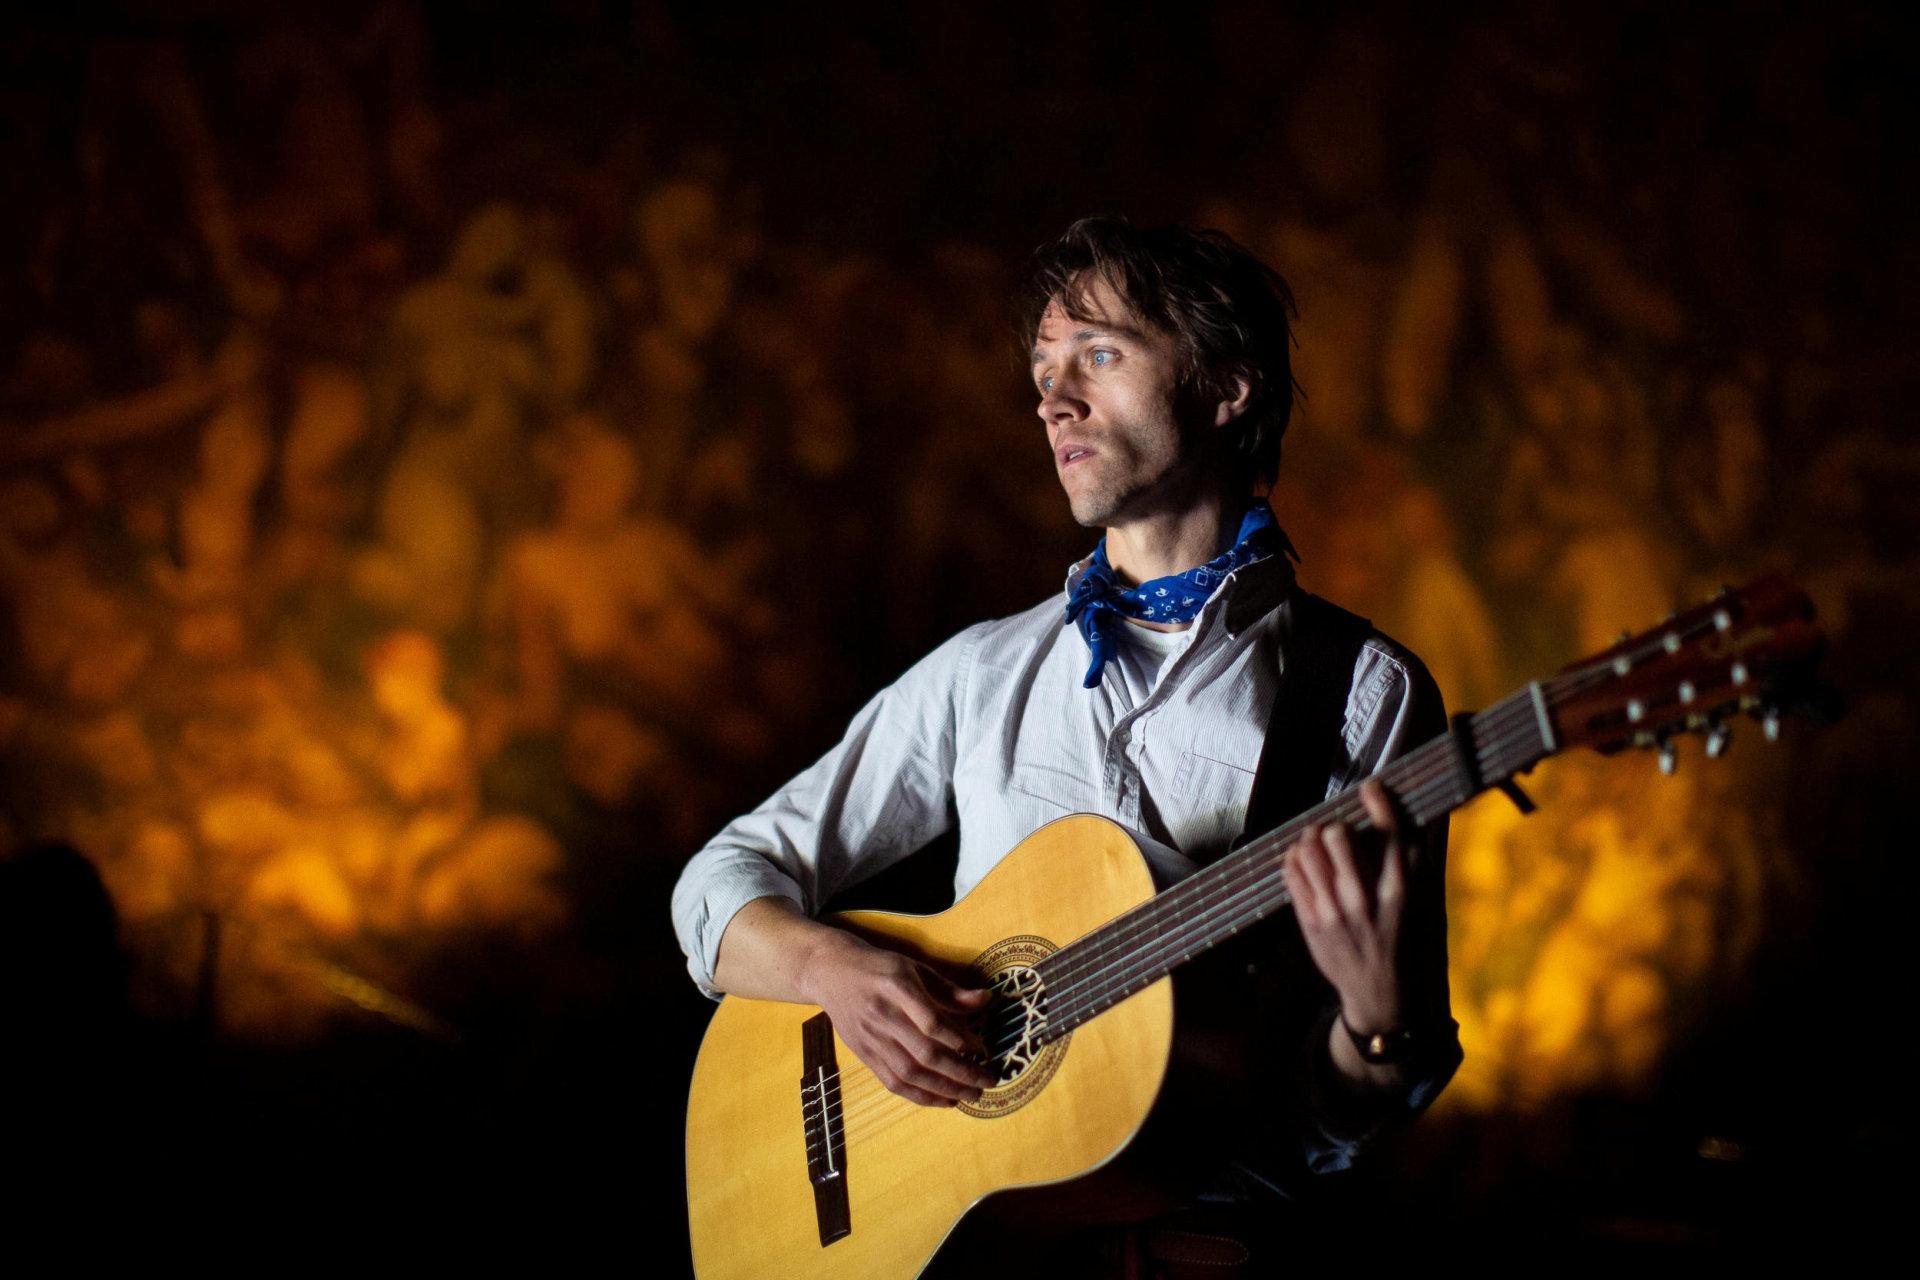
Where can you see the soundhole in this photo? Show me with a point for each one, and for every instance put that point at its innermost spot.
(1011, 1025)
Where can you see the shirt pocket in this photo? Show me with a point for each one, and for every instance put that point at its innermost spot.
(1048, 791)
(1213, 796)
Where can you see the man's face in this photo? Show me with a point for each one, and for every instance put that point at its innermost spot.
(1108, 389)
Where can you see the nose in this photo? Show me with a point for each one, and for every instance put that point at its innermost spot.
(1061, 404)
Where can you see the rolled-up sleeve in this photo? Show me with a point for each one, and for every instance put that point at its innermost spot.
(882, 792)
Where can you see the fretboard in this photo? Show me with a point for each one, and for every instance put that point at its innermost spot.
(1137, 949)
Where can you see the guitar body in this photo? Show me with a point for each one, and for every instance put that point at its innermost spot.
(910, 1172)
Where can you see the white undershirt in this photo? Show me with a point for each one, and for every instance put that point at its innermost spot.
(1143, 654)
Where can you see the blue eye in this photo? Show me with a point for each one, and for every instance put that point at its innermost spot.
(1101, 357)
(1046, 383)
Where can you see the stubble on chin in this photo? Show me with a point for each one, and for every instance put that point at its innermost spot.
(1094, 507)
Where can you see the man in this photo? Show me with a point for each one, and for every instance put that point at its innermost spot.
(1161, 365)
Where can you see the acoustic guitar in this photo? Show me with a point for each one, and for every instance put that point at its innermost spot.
(801, 1165)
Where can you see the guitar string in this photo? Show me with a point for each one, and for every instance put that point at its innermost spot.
(1500, 738)
(1498, 743)
(1494, 735)
(861, 1104)
(1218, 906)
(1426, 782)
(1254, 873)
(1251, 874)
(1206, 893)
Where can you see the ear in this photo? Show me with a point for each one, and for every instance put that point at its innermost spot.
(1227, 410)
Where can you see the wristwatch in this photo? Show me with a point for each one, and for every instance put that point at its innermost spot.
(1384, 1048)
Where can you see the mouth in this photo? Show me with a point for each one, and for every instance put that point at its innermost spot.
(1068, 454)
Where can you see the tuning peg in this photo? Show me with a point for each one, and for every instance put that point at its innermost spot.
(1669, 757)
(1717, 738)
(1770, 724)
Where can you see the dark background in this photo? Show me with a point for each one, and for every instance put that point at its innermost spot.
(456, 456)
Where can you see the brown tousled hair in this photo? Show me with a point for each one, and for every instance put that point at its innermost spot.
(1231, 313)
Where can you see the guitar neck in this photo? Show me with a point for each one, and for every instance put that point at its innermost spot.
(1137, 949)
(1749, 650)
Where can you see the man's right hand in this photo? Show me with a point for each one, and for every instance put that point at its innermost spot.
(907, 1022)
(904, 1020)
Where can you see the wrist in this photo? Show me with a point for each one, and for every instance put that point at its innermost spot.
(1379, 1013)
(825, 953)
(1389, 1043)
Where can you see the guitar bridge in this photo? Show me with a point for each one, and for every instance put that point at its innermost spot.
(825, 1128)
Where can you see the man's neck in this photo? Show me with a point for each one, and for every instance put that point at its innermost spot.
(1168, 543)
(1160, 545)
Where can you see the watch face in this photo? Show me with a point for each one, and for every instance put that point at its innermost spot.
(1383, 1047)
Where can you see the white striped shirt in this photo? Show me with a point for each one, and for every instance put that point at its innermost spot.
(994, 726)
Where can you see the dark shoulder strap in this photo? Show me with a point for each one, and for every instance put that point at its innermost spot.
(1309, 712)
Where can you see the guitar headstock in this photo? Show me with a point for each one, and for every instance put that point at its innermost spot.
(1747, 651)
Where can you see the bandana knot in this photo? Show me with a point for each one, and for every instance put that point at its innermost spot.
(1097, 601)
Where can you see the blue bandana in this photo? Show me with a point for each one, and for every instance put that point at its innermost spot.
(1097, 601)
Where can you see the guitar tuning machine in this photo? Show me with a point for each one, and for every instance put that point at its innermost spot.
(1669, 757)
(1767, 713)
(1718, 735)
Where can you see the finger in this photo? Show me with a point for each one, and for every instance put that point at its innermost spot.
(941, 1032)
(960, 1068)
(886, 1061)
(1349, 890)
(1380, 808)
(916, 1095)
(1384, 810)
(941, 1071)
(911, 1080)
(1393, 884)
(957, 1007)
(959, 998)
(947, 1050)
(1310, 856)
(1305, 908)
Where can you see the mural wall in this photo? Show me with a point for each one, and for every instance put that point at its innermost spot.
(424, 489)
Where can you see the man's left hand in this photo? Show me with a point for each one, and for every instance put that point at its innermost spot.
(1350, 914)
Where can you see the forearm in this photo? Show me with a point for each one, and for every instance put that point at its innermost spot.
(882, 792)
(901, 1019)
(770, 950)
